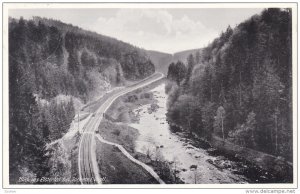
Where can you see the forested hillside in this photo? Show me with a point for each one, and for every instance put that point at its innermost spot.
(241, 88)
(48, 58)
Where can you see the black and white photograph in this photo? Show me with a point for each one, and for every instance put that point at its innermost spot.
(149, 95)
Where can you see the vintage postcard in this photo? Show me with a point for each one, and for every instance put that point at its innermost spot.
(150, 95)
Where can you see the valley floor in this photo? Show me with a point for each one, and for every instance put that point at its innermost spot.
(122, 125)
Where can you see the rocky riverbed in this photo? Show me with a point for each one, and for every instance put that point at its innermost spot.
(192, 158)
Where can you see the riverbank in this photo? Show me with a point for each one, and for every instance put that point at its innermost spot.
(255, 166)
(115, 128)
(271, 169)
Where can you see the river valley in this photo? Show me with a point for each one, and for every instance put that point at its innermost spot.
(190, 162)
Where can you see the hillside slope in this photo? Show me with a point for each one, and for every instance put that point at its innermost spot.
(52, 66)
(241, 91)
(63, 59)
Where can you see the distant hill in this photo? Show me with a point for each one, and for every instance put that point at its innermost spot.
(162, 60)
(183, 55)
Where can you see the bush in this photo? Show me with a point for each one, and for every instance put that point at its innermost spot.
(116, 132)
(132, 98)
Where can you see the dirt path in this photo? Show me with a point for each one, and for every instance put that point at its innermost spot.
(123, 150)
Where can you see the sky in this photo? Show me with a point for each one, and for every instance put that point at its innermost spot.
(165, 30)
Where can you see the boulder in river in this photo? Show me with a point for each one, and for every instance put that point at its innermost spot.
(210, 161)
(220, 158)
(193, 167)
(212, 151)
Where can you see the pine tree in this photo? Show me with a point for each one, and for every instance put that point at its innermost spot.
(197, 58)
(190, 66)
(219, 122)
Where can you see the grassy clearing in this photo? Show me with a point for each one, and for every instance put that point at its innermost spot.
(119, 133)
(115, 168)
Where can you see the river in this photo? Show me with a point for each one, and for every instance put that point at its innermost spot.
(191, 162)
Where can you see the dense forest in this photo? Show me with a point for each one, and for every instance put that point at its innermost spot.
(239, 87)
(48, 58)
